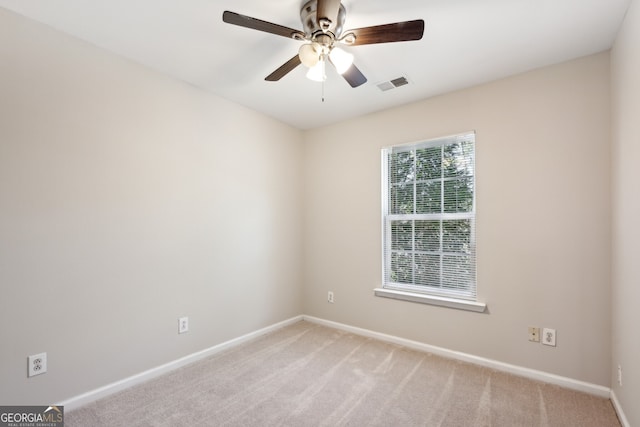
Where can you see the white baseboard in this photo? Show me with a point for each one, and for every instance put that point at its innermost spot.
(616, 405)
(109, 389)
(569, 383)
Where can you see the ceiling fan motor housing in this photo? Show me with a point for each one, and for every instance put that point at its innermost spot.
(311, 26)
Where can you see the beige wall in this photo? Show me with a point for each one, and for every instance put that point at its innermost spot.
(625, 80)
(543, 179)
(127, 200)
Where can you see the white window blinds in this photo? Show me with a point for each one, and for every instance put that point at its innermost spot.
(429, 217)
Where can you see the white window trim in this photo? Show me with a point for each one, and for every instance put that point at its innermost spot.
(459, 304)
(387, 291)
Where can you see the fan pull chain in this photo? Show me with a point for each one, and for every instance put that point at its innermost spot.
(323, 91)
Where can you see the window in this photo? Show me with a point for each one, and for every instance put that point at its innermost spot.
(429, 218)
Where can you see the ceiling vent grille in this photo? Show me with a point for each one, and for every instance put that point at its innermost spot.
(392, 84)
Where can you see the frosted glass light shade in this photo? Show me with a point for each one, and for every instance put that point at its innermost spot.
(316, 73)
(341, 60)
(308, 55)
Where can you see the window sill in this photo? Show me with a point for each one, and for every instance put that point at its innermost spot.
(478, 307)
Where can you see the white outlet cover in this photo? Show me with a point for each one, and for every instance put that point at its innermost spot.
(37, 364)
(549, 337)
(183, 325)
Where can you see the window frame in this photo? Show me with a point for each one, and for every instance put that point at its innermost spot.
(423, 293)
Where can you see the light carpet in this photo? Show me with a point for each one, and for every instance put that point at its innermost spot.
(311, 375)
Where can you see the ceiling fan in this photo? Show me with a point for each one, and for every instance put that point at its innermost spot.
(323, 21)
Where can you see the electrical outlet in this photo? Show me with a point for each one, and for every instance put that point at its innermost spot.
(620, 375)
(330, 297)
(549, 337)
(534, 334)
(37, 364)
(183, 325)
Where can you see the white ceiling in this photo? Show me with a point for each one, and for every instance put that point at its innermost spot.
(466, 42)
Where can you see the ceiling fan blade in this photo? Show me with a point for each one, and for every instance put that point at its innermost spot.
(354, 76)
(388, 33)
(284, 69)
(258, 24)
(328, 9)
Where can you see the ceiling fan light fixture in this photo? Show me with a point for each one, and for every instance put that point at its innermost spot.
(317, 72)
(341, 59)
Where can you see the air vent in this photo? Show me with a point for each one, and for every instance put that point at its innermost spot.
(384, 86)
(392, 84)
